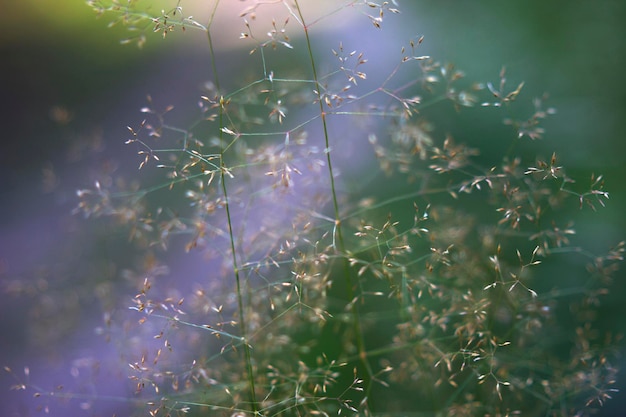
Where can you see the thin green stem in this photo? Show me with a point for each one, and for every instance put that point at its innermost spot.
(223, 169)
(340, 245)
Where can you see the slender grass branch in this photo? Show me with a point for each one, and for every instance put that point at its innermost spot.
(360, 341)
(231, 233)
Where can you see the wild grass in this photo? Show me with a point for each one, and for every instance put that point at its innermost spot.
(419, 282)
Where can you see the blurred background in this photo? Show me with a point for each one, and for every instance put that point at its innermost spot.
(69, 89)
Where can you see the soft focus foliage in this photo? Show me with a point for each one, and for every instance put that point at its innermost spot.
(359, 256)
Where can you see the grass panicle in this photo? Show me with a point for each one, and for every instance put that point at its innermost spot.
(413, 277)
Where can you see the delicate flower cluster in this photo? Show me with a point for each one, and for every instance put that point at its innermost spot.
(314, 298)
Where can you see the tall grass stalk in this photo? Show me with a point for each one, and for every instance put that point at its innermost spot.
(337, 232)
(231, 234)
